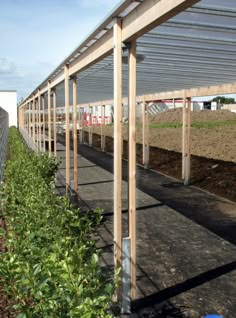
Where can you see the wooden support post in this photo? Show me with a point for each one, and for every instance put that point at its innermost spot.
(49, 120)
(28, 106)
(44, 132)
(81, 132)
(188, 147)
(145, 133)
(67, 110)
(117, 143)
(183, 134)
(23, 117)
(36, 123)
(122, 137)
(75, 143)
(27, 119)
(55, 121)
(40, 127)
(143, 128)
(38, 119)
(132, 164)
(90, 126)
(25, 108)
(102, 127)
(33, 120)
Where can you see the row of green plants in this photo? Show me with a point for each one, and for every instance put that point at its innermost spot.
(51, 265)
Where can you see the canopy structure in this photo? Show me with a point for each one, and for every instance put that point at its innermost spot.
(143, 51)
(195, 48)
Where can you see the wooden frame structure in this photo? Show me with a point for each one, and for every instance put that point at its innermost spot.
(123, 28)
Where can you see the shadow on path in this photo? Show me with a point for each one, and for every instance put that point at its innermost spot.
(200, 207)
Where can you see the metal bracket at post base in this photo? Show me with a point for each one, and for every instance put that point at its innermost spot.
(103, 143)
(90, 140)
(81, 136)
(187, 171)
(72, 191)
(126, 274)
(146, 157)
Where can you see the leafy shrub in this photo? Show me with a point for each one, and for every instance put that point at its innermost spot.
(51, 266)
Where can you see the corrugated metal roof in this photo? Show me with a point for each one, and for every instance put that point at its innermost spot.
(195, 48)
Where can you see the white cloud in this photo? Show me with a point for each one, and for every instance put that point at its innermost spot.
(6, 66)
(33, 45)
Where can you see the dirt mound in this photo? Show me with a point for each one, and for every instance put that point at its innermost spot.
(175, 116)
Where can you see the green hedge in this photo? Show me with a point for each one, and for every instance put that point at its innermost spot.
(51, 266)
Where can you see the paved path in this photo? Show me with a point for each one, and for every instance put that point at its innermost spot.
(186, 253)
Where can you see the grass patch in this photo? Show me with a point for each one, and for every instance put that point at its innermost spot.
(165, 125)
(208, 124)
(213, 124)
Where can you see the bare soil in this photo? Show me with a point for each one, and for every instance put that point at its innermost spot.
(213, 149)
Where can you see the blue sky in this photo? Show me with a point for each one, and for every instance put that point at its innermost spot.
(36, 35)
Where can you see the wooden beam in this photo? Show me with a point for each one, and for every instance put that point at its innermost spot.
(54, 92)
(150, 14)
(67, 111)
(132, 164)
(193, 92)
(55, 76)
(183, 134)
(117, 143)
(178, 94)
(59, 78)
(142, 19)
(75, 143)
(49, 120)
(100, 49)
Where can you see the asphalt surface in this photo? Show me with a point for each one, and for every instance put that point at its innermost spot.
(186, 253)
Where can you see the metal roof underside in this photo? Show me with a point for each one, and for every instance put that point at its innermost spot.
(196, 48)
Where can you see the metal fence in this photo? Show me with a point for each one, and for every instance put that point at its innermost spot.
(4, 124)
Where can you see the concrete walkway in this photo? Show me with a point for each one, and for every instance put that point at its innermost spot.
(186, 253)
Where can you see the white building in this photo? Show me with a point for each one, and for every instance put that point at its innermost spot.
(163, 105)
(8, 101)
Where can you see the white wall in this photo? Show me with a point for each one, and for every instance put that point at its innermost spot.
(8, 101)
(231, 107)
(160, 106)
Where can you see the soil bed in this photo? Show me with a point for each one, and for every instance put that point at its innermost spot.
(213, 160)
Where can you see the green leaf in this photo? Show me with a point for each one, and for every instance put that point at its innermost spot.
(87, 315)
(21, 315)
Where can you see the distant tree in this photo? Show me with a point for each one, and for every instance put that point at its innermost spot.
(224, 100)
